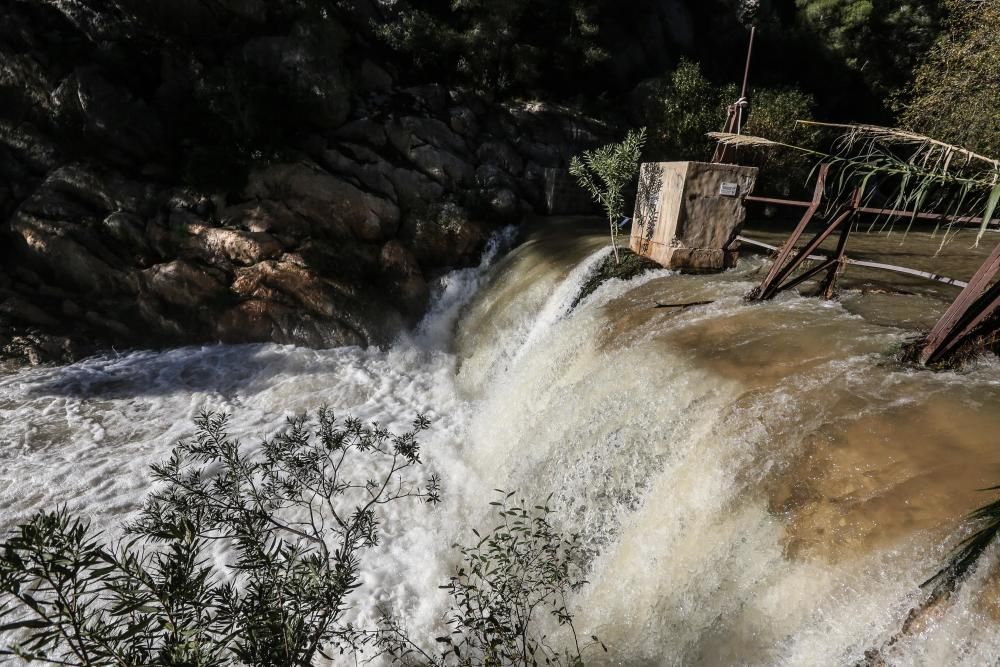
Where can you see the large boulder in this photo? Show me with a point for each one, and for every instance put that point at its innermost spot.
(110, 116)
(185, 284)
(305, 68)
(431, 145)
(333, 206)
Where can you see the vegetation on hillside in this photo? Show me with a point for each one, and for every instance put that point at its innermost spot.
(957, 87)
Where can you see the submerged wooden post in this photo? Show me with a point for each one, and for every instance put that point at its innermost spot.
(688, 214)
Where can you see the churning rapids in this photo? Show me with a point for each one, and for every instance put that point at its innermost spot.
(762, 483)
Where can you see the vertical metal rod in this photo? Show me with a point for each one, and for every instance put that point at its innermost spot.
(826, 289)
(734, 120)
(746, 80)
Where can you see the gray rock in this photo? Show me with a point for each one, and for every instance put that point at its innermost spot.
(504, 205)
(372, 78)
(363, 131)
(463, 121)
(109, 114)
(433, 148)
(18, 308)
(213, 244)
(500, 154)
(334, 207)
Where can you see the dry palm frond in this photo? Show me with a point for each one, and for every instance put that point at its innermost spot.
(914, 172)
(729, 139)
(890, 135)
(986, 521)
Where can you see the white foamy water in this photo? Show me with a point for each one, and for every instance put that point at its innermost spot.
(760, 484)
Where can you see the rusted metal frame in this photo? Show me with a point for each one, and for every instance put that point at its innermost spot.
(826, 288)
(946, 328)
(775, 287)
(984, 307)
(789, 244)
(806, 275)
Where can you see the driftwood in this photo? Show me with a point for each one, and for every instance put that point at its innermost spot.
(683, 305)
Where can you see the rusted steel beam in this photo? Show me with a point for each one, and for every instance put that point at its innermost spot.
(890, 212)
(789, 244)
(780, 202)
(843, 215)
(735, 119)
(984, 308)
(945, 329)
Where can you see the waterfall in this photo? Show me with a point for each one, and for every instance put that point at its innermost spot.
(758, 484)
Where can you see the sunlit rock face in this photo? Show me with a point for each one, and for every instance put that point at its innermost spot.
(239, 171)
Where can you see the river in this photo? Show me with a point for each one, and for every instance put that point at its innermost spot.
(760, 484)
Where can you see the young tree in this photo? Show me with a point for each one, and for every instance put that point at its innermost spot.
(605, 173)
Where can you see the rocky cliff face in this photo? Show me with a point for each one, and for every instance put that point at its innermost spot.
(216, 172)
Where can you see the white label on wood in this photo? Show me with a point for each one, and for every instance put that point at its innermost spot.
(728, 189)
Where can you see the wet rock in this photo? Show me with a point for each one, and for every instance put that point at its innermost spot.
(239, 247)
(405, 279)
(182, 283)
(36, 348)
(19, 309)
(443, 234)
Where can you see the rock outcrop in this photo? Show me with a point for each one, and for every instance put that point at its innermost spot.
(270, 186)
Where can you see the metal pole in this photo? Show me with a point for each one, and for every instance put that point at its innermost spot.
(746, 79)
